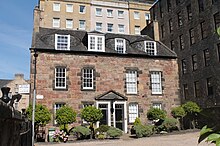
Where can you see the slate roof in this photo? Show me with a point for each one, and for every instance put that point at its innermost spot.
(111, 95)
(45, 40)
(4, 82)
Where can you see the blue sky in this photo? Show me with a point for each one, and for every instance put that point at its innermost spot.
(16, 25)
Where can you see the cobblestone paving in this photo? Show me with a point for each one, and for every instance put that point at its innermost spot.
(187, 139)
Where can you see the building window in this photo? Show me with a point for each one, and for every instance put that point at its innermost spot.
(189, 12)
(98, 26)
(120, 45)
(185, 91)
(69, 8)
(137, 30)
(62, 42)
(96, 43)
(136, 15)
(169, 6)
(60, 78)
(209, 86)
(98, 12)
(184, 70)
(162, 31)
(56, 22)
(82, 9)
(82, 24)
(109, 13)
(192, 36)
(180, 21)
(150, 48)
(172, 45)
(56, 107)
(201, 5)
(131, 82)
(203, 30)
(147, 16)
(133, 112)
(121, 28)
(157, 105)
(206, 57)
(196, 89)
(194, 62)
(161, 10)
(87, 78)
(69, 23)
(217, 20)
(120, 14)
(56, 7)
(156, 84)
(181, 42)
(171, 25)
(218, 47)
(110, 27)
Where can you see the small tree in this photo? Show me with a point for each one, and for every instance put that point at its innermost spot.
(65, 115)
(92, 115)
(179, 113)
(156, 114)
(191, 109)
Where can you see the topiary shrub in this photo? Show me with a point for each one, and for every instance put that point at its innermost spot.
(156, 114)
(137, 121)
(143, 131)
(169, 124)
(114, 132)
(179, 113)
(81, 132)
(101, 132)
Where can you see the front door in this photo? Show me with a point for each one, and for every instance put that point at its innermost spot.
(119, 116)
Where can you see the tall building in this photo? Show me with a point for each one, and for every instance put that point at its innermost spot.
(189, 28)
(118, 16)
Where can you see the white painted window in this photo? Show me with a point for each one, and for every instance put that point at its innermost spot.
(120, 14)
(87, 78)
(56, 22)
(109, 13)
(56, 7)
(62, 42)
(96, 43)
(82, 9)
(98, 26)
(98, 12)
(137, 30)
(69, 8)
(133, 112)
(60, 78)
(147, 16)
(69, 23)
(110, 27)
(121, 28)
(150, 48)
(120, 45)
(136, 15)
(131, 82)
(56, 107)
(157, 105)
(156, 84)
(82, 24)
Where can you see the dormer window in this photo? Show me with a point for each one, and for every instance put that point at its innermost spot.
(62, 42)
(96, 43)
(120, 45)
(150, 48)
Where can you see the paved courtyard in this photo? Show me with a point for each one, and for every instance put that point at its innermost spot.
(187, 139)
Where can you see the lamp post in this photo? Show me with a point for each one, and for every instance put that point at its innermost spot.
(34, 96)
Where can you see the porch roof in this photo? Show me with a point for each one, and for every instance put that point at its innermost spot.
(111, 95)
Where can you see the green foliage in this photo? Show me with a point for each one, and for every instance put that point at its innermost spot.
(191, 107)
(218, 31)
(169, 124)
(114, 132)
(91, 114)
(143, 131)
(101, 136)
(155, 114)
(102, 129)
(63, 127)
(137, 121)
(42, 114)
(81, 132)
(178, 112)
(65, 115)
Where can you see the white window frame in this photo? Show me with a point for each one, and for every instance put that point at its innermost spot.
(108, 28)
(69, 8)
(157, 105)
(156, 82)
(84, 78)
(150, 46)
(55, 108)
(60, 77)
(136, 15)
(121, 14)
(137, 30)
(119, 44)
(95, 45)
(56, 22)
(64, 43)
(133, 112)
(147, 16)
(121, 28)
(131, 82)
(109, 13)
(56, 7)
(98, 27)
(69, 23)
(98, 12)
(84, 10)
(80, 25)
